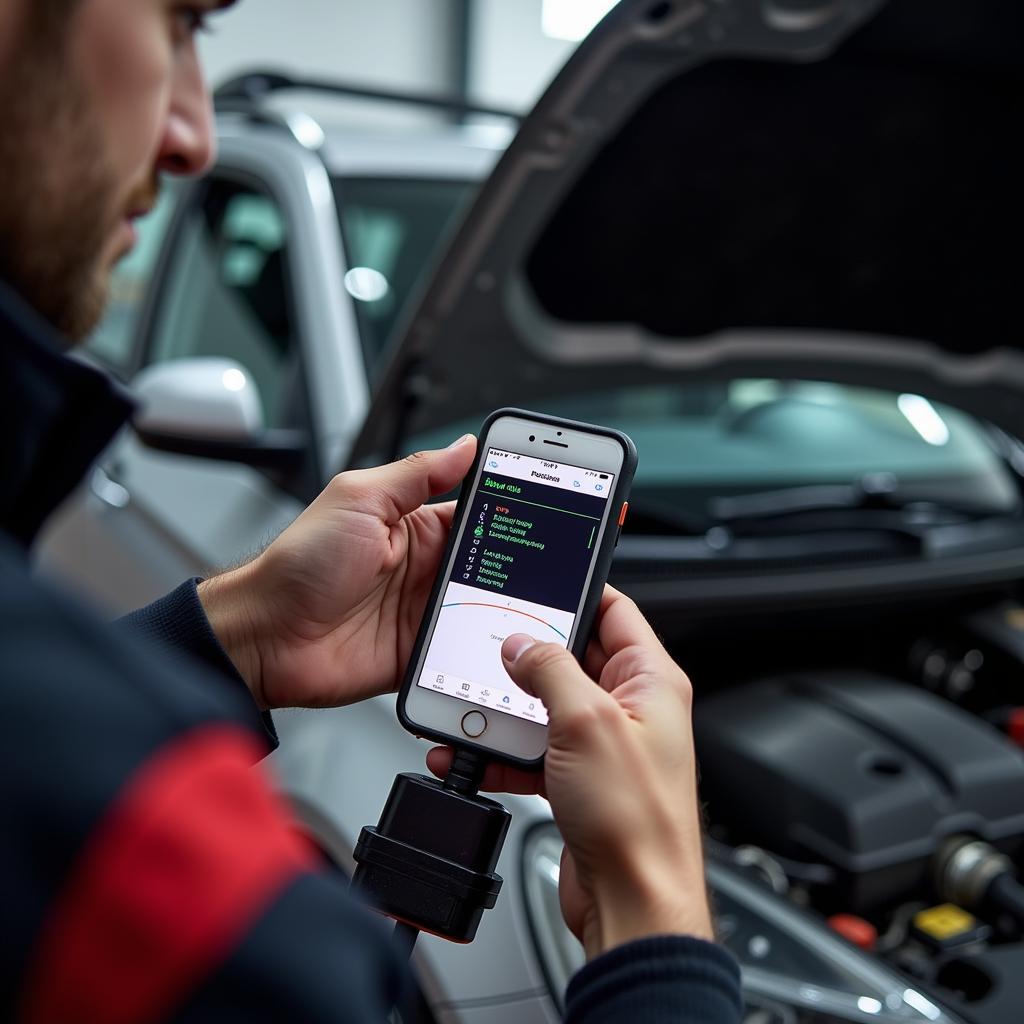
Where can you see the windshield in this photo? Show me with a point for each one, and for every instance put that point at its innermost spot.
(707, 441)
(393, 230)
(697, 443)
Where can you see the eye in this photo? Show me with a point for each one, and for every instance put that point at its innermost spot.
(191, 19)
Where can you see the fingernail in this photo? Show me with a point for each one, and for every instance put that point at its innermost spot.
(461, 440)
(514, 646)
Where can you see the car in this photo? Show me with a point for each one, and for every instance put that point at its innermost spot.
(776, 243)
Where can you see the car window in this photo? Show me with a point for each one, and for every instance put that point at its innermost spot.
(226, 294)
(112, 342)
(393, 230)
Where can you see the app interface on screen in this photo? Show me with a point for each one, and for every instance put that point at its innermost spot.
(520, 567)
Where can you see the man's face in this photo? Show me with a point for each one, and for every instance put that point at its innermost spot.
(99, 97)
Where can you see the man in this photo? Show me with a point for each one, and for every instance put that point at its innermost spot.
(149, 873)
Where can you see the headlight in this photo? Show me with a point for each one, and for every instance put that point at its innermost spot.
(795, 969)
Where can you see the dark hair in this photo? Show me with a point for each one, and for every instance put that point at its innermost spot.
(48, 19)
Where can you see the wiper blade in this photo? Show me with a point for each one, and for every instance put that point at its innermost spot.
(888, 525)
(766, 504)
(878, 493)
(853, 529)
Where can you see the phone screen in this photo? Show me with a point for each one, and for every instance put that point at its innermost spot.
(521, 566)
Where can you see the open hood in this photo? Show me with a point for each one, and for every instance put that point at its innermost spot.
(808, 189)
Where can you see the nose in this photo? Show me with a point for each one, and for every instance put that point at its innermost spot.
(188, 145)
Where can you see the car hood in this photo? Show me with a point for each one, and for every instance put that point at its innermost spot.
(805, 189)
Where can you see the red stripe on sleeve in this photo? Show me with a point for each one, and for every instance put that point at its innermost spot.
(193, 849)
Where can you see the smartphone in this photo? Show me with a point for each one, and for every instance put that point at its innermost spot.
(531, 544)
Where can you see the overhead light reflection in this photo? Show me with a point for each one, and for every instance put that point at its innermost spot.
(552, 868)
(921, 415)
(233, 379)
(922, 1005)
(572, 19)
(366, 284)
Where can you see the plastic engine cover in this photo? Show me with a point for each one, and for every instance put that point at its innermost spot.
(857, 771)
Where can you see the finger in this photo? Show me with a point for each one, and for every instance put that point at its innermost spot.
(445, 512)
(498, 778)
(596, 657)
(551, 673)
(634, 650)
(621, 624)
(395, 490)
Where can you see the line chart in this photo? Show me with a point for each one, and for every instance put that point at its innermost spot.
(506, 608)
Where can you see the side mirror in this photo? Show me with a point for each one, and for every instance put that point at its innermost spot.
(209, 408)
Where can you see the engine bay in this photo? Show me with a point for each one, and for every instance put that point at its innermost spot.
(864, 799)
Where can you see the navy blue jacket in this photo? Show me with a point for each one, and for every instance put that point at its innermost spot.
(149, 874)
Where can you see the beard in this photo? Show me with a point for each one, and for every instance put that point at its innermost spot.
(60, 203)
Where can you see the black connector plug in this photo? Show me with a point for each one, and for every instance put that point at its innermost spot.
(430, 860)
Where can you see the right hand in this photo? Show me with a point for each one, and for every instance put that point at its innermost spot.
(620, 776)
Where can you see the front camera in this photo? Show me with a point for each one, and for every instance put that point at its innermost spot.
(532, 437)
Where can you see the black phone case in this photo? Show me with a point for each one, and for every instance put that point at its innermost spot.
(602, 566)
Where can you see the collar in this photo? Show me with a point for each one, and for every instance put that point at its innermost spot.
(56, 416)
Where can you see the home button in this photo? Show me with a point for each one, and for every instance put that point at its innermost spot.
(473, 723)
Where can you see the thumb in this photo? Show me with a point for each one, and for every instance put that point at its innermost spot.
(551, 673)
(400, 487)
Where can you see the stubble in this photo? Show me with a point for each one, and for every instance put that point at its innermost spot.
(57, 197)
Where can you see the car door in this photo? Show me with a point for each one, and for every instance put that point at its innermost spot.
(151, 518)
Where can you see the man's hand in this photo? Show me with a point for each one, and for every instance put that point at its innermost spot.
(620, 776)
(328, 614)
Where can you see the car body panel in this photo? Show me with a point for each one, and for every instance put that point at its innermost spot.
(335, 374)
(464, 153)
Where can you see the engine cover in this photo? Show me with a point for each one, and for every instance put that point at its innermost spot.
(862, 773)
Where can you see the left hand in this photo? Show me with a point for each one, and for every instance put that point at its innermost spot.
(328, 614)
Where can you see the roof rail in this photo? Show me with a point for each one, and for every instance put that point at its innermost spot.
(245, 92)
